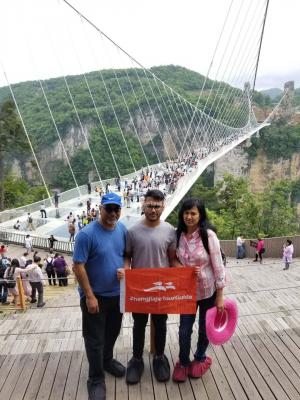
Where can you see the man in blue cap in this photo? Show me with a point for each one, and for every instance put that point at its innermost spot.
(98, 253)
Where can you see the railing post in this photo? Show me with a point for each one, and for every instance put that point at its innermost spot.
(21, 293)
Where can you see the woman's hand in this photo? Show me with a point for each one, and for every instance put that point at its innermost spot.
(219, 300)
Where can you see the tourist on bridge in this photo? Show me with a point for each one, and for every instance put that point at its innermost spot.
(30, 226)
(12, 272)
(50, 270)
(288, 250)
(199, 247)
(260, 249)
(51, 241)
(17, 225)
(72, 230)
(60, 267)
(35, 277)
(3, 286)
(98, 253)
(56, 199)
(240, 247)
(43, 210)
(150, 244)
(89, 187)
(28, 244)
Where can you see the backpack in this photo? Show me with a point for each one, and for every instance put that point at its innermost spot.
(49, 266)
(2, 269)
(11, 282)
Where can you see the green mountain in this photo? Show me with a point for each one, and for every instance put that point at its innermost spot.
(93, 107)
(272, 93)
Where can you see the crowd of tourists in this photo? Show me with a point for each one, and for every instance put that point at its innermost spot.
(34, 272)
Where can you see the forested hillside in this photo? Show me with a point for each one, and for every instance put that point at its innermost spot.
(279, 140)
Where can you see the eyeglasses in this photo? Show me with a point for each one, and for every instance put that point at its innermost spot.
(110, 208)
(153, 206)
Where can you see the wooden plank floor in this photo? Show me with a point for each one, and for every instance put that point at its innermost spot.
(42, 354)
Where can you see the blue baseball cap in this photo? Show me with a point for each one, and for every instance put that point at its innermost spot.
(111, 198)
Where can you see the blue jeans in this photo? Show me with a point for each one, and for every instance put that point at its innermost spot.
(240, 253)
(186, 329)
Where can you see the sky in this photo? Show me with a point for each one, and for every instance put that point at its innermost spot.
(156, 32)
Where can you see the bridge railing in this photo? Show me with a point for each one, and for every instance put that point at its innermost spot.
(38, 242)
(71, 194)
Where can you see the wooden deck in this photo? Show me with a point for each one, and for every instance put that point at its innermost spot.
(42, 355)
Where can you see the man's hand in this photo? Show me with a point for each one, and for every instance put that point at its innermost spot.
(121, 273)
(92, 305)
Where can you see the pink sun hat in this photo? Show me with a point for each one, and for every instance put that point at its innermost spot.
(220, 326)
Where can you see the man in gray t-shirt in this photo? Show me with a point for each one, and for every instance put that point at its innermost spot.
(150, 247)
(150, 244)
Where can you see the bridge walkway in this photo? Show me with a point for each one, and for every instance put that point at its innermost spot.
(42, 355)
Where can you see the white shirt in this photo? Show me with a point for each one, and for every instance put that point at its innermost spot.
(239, 241)
(36, 274)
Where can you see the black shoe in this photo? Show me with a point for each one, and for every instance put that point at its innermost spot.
(41, 305)
(96, 390)
(135, 368)
(6, 303)
(161, 368)
(33, 301)
(114, 368)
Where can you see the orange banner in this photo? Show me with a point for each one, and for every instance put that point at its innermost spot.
(160, 290)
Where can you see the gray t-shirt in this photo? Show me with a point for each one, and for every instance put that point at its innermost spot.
(149, 247)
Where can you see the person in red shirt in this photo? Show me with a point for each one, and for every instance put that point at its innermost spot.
(260, 249)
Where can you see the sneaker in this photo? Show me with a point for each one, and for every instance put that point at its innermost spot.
(33, 301)
(135, 368)
(41, 305)
(6, 303)
(114, 368)
(198, 368)
(180, 373)
(161, 368)
(96, 390)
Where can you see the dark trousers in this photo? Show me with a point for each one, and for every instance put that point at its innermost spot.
(3, 291)
(258, 254)
(43, 214)
(62, 278)
(139, 327)
(51, 276)
(186, 329)
(37, 286)
(100, 332)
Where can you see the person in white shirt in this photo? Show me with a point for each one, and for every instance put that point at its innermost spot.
(12, 272)
(240, 247)
(43, 211)
(28, 244)
(35, 277)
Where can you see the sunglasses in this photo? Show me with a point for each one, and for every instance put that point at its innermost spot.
(111, 208)
(153, 206)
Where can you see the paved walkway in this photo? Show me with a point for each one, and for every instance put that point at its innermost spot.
(42, 357)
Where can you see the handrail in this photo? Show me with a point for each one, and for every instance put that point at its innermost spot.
(38, 242)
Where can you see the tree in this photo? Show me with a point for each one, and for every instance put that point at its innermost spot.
(11, 138)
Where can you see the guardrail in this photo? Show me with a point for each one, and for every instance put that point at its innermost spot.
(6, 215)
(38, 242)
